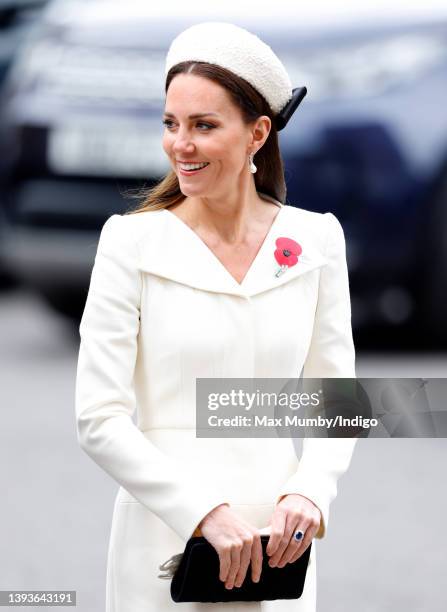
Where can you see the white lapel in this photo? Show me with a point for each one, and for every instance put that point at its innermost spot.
(172, 250)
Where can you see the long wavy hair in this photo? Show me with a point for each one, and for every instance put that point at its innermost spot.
(269, 178)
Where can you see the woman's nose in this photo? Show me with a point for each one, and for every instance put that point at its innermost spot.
(183, 146)
(183, 142)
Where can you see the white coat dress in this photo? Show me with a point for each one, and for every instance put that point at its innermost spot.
(161, 311)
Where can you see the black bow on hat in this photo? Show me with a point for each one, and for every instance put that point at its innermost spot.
(284, 115)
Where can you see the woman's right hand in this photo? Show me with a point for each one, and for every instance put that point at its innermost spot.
(236, 542)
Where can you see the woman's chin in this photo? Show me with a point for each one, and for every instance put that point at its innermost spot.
(189, 190)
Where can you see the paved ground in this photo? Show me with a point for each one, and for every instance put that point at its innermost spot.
(385, 547)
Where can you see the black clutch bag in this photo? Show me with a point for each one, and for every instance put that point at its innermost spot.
(197, 577)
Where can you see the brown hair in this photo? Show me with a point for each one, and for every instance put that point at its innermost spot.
(269, 178)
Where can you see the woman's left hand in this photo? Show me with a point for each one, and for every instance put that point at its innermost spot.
(293, 512)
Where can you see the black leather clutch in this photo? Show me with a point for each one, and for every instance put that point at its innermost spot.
(197, 577)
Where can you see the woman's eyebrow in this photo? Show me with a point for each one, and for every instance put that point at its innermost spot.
(194, 116)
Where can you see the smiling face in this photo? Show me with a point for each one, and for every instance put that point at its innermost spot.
(219, 138)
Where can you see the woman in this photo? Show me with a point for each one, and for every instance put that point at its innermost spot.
(186, 287)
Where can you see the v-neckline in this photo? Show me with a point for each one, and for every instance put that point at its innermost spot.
(214, 256)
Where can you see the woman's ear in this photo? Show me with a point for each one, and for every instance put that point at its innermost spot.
(260, 131)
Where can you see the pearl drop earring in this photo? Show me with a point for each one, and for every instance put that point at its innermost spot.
(251, 164)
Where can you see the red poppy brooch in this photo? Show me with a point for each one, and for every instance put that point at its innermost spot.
(286, 254)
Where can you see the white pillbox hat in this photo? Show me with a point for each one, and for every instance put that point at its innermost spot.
(237, 50)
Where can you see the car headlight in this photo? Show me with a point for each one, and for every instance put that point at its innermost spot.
(94, 74)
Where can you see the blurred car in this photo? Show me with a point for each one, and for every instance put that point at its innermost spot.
(16, 18)
(81, 123)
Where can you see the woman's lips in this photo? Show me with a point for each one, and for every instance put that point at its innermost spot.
(190, 172)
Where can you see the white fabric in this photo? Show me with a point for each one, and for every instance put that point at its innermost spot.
(238, 50)
(161, 311)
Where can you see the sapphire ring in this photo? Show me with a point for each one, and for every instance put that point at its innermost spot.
(299, 535)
